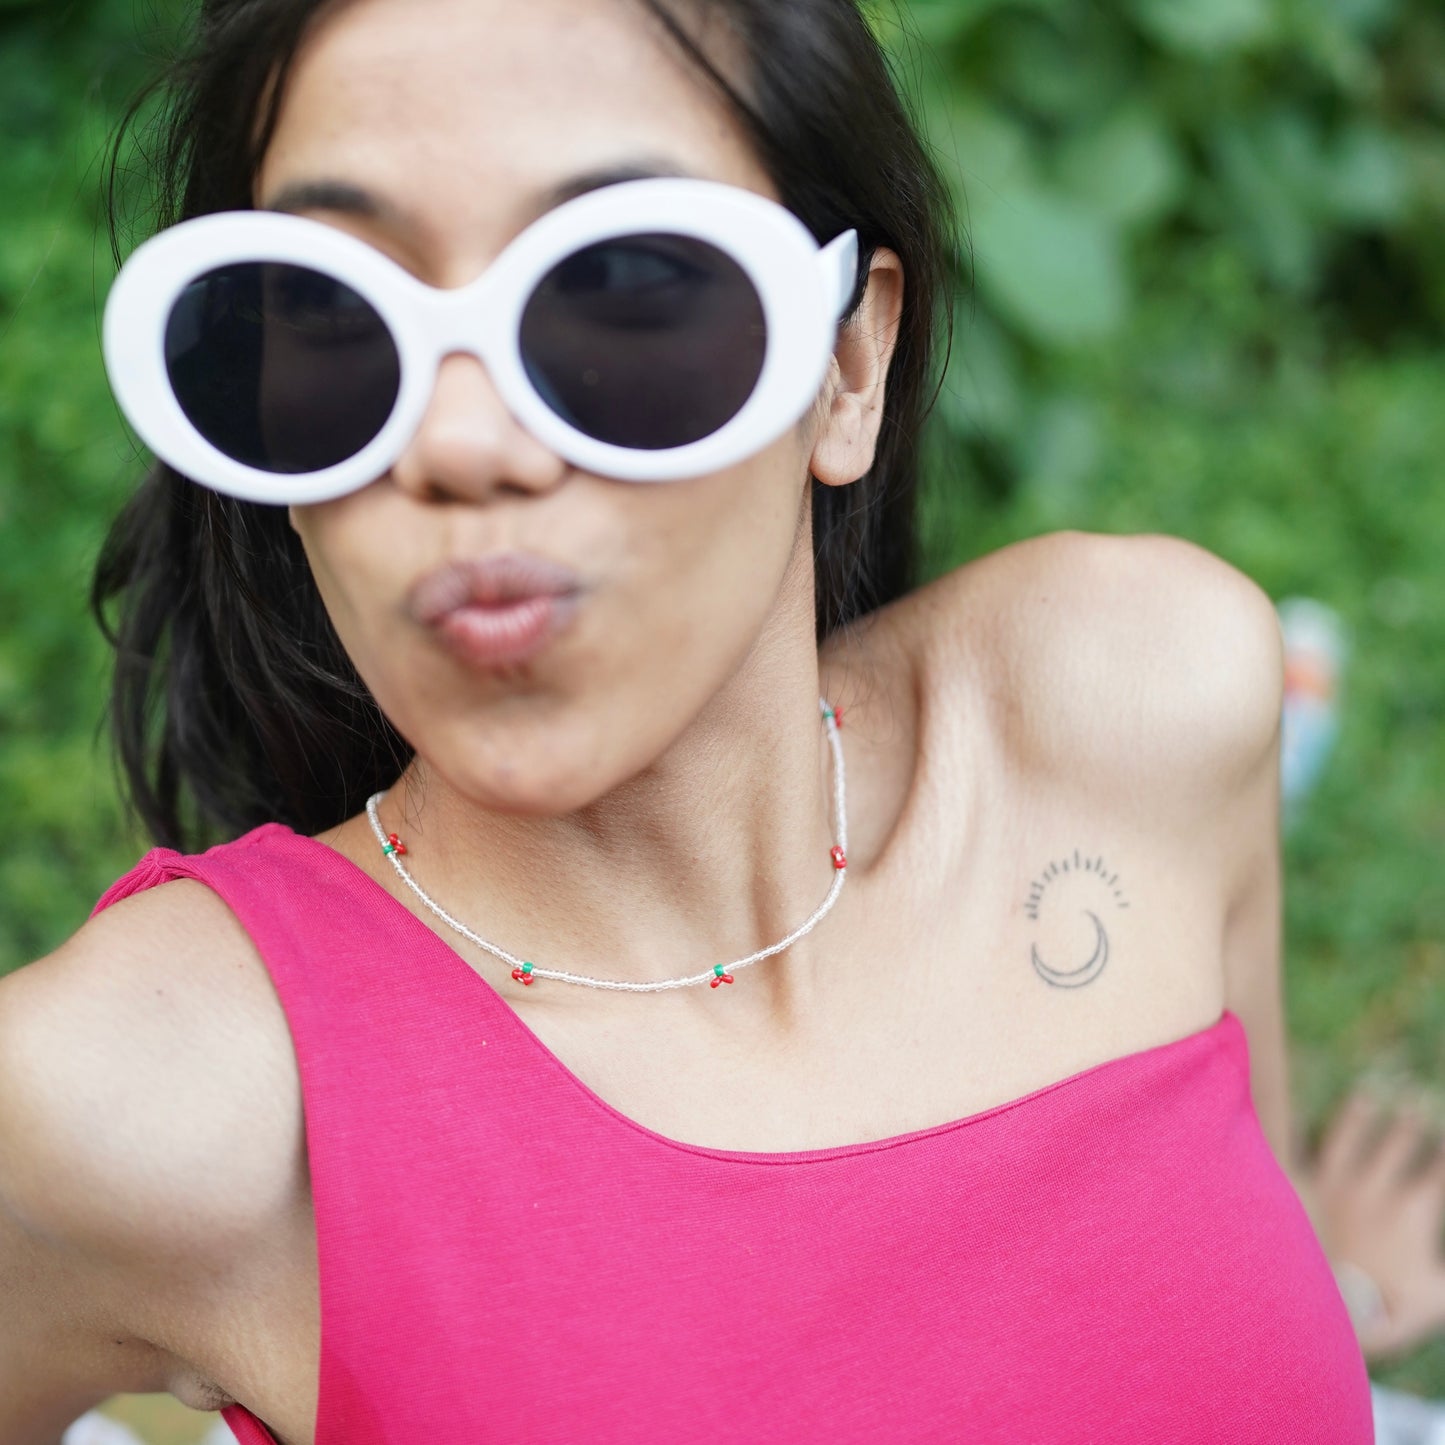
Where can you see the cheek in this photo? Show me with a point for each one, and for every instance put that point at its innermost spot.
(727, 539)
(351, 573)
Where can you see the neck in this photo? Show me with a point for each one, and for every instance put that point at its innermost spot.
(715, 850)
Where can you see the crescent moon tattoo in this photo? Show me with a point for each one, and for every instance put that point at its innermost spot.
(1084, 974)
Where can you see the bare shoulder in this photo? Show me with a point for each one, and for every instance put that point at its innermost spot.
(1141, 659)
(144, 1118)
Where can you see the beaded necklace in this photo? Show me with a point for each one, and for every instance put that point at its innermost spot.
(526, 972)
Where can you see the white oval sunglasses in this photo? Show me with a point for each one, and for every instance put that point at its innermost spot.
(652, 330)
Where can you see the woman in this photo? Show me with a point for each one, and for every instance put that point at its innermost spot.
(518, 682)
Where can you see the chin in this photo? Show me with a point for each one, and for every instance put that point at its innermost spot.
(538, 782)
(528, 797)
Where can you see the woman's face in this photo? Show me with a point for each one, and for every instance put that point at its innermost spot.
(457, 118)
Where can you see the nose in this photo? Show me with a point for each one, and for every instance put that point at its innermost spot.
(469, 445)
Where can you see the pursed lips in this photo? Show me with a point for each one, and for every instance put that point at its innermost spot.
(497, 609)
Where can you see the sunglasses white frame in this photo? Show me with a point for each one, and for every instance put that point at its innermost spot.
(804, 290)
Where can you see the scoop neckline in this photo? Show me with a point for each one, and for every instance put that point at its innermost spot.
(1226, 1022)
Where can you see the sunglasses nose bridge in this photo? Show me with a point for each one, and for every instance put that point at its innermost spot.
(455, 321)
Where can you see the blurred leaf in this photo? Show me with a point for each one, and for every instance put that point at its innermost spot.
(1334, 49)
(1365, 176)
(1205, 27)
(983, 150)
(1060, 69)
(935, 22)
(1047, 265)
(982, 392)
(1126, 168)
(1059, 455)
(1364, 17)
(1269, 165)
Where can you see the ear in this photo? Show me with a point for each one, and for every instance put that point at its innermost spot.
(851, 405)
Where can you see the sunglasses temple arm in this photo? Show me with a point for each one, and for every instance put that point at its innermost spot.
(839, 259)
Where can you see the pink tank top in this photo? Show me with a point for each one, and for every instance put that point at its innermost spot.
(505, 1257)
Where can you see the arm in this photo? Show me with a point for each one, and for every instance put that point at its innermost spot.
(1253, 923)
(1175, 663)
(1182, 662)
(1246, 660)
(144, 1162)
(44, 1383)
(1252, 945)
(58, 1356)
(111, 1116)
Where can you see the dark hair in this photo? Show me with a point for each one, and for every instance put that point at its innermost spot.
(233, 702)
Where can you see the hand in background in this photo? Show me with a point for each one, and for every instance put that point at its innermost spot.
(1376, 1196)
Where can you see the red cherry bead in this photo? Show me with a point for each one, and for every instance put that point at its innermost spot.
(838, 716)
(714, 983)
(839, 858)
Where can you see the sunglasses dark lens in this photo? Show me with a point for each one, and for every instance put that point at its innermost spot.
(281, 367)
(647, 341)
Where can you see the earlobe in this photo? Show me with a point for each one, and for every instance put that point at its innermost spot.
(847, 438)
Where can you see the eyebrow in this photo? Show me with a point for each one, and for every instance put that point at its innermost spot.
(348, 199)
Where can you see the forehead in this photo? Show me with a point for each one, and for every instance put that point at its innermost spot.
(460, 115)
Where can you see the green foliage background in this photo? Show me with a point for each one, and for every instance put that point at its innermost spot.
(1208, 254)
